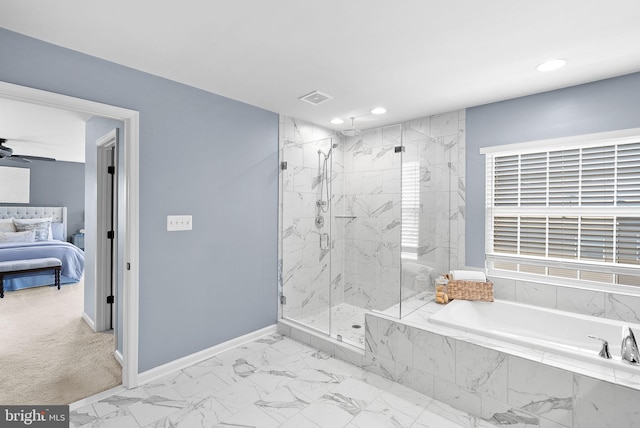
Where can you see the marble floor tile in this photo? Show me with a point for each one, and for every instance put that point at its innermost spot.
(283, 403)
(251, 416)
(83, 416)
(271, 382)
(299, 421)
(118, 419)
(330, 414)
(205, 412)
(156, 407)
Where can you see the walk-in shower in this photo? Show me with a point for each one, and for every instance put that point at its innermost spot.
(353, 234)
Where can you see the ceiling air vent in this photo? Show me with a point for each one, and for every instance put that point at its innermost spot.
(315, 98)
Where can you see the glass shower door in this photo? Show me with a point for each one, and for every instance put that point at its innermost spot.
(306, 233)
(367, 229)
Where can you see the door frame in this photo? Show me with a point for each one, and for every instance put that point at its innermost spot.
(129, 228)
(106, 207)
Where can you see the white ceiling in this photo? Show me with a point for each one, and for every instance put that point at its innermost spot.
(414, 57)
(35, 130)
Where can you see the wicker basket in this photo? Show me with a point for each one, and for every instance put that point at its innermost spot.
(470, 290)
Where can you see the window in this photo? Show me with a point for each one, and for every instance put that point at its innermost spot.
(566, 208)
(410, 209)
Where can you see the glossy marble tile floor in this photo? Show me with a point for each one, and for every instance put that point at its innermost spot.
(272, 382)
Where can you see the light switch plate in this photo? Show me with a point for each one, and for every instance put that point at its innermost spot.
(179, 223)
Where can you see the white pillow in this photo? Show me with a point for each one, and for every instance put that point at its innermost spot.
(6, 225)
(23, 221)
(41, 228)
(26, 236)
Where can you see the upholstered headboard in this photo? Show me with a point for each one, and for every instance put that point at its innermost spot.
(58, 214)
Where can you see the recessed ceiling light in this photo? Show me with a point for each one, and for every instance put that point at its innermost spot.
(551, 65)
(337, 121)
(379, 110)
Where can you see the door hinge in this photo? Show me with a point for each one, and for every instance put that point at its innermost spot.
(110, 234)
(283, 165)
(283, 300)
(110, 299)
(111, 169)
(398, 149)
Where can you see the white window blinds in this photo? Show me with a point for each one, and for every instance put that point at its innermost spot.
(571, 211)
(410, 209)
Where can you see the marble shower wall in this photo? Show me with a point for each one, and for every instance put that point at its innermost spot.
(305, 268)
(380, 269)
(371, 239)
(436, 145)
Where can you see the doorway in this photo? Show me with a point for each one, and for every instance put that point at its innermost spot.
(128, 270)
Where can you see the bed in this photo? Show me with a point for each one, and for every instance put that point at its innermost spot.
(54, 245)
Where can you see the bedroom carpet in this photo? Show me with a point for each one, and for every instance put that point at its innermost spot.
(48, 353)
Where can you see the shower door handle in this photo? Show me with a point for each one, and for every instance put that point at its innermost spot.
(324, 241)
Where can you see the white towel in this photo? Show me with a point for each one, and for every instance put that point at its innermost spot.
(468, 275)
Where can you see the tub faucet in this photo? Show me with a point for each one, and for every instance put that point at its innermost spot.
(604, 352)
(629, 348)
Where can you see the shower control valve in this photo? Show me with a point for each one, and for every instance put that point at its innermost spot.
(320, 203)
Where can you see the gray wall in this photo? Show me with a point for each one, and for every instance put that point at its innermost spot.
(601, 106)
(200, 154)
(59, 184)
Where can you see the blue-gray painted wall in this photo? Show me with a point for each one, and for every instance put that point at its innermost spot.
(56, 184)
(200, 154)
(601, 106)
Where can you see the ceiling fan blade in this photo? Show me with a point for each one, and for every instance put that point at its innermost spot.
(28, 158)
(16, 159)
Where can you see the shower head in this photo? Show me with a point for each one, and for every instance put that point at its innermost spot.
(353, 131)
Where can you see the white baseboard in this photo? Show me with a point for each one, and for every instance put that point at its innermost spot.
(178, 364)
(197, 357)
(89, 321)
(119, 357)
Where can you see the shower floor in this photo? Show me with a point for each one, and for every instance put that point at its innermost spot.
(345, 317)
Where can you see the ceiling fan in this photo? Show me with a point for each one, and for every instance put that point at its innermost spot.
(7, 153)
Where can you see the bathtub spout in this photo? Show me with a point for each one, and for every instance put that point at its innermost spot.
(629, 349)
(604, 352)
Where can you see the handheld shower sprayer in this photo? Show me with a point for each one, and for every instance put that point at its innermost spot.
(326, 156)
(324, 182)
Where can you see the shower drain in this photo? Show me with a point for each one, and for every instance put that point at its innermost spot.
(356, 326)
